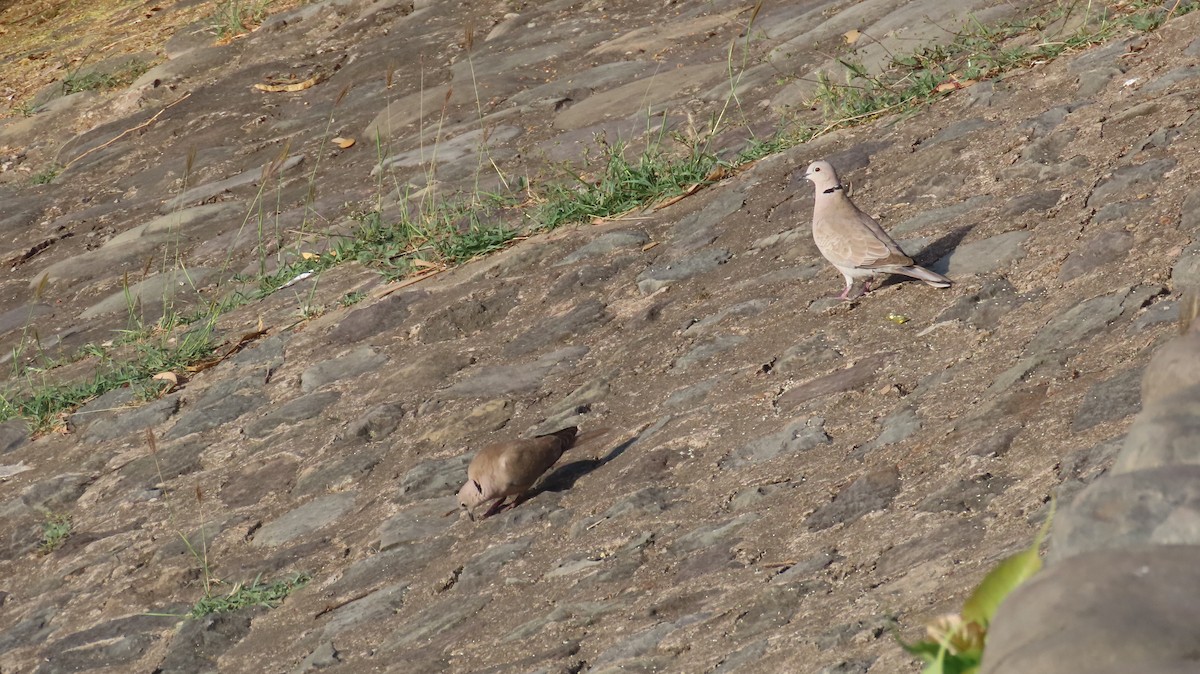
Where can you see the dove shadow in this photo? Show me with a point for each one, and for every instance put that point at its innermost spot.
(565, 476)
(932, 254)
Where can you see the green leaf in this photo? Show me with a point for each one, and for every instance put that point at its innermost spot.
(981, 606)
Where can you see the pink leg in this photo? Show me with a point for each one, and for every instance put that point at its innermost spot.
(497, 506)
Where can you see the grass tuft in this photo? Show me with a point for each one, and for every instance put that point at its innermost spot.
(127, 73)
(257, 593)
(55, 531)
(623, 185)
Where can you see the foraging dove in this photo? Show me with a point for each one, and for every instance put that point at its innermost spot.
(852, 241)
(510, 468)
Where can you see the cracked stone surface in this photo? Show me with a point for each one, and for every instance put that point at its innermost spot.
(774, 478)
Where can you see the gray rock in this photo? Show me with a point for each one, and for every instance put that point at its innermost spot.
(1031, 201)
(996, 444)
(360, 361)
(337, 474)
(200, 193)
(739, 310)
(807, 567)
(638, 644)
(873, 491)
(197, 645)
(1085, 465)
(668, 273)
(431, 369)
(1121, 211)
(701, 227)
(434, 478)
(300, 409)
(55, 493)
(940, 217)
(896, 427)
(773, 608)
(501, 380)
(486, 568)
(14, 433)
(1186, 272)
(1158, 506)
(966, 495)
(815, 350)
(376, 606)
(1129, 181)
(955, 535)
(1098, 251)
(1165, 311)
(255, 481)
(21, 317)
(1165, 434)
(800, 435)
(1110, 400)
(575, 323)
(375, 424)
(214, 414)
(646, 501)
(854, 377)
(115, 643)
(268, 353)
(436, 620)
(691, 396)
(172, 288)
(421, 521)
(1141, 621)
(1172, 77)
(322, 657)
(129, 423)
(607, 243)
(956, 130)
(981, 257)
(984, 308)
(469, 316)
(1189, 220)
(386, 315)
(706, 350)
(1072, 327)
(30, 630)
(304, 520)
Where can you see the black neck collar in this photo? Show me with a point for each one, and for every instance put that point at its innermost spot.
(833, 189)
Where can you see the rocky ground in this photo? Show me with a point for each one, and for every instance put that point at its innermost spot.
(784, 477)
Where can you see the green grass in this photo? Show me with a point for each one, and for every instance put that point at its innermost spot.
(257, 593)
(234, 17)
(55, 531)
(978, 52)
(127, 73)
(623, 185)
(46, 175)
(45, 406)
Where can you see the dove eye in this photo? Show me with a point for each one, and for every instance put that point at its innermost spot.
(817, 170)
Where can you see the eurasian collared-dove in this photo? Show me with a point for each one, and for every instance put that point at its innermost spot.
(852, 241)
(510, 468)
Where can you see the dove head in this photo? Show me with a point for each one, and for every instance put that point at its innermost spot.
(822, 175)
(470, 495)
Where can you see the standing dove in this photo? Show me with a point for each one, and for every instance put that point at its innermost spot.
(852, 241)
(510, 468)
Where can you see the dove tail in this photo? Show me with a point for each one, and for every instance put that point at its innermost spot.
(932, 278)
(566, 436)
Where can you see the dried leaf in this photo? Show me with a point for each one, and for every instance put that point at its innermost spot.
(650, 245)
(168, 377)
(309, 256)
(851, 36)
(343, 143)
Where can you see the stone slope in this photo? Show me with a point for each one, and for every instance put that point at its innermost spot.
(783, 477)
